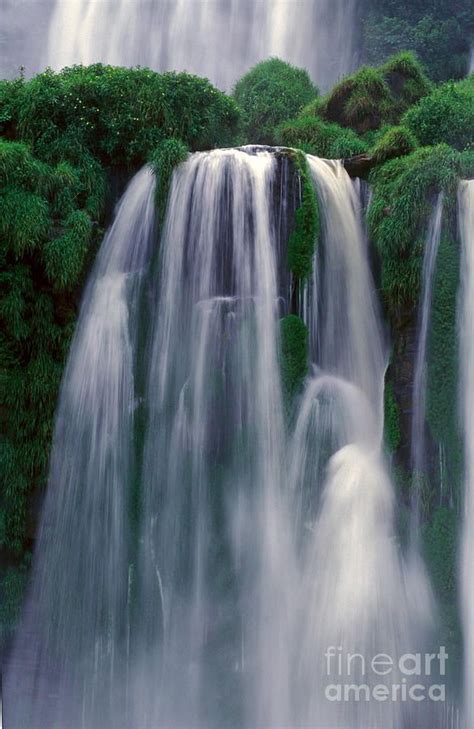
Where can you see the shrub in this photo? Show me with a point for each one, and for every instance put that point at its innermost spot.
(117, 115)
(47, 235)
(270, 93)
(446, 115)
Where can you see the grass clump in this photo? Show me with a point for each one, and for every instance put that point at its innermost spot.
(116, 115)
(323, 139)
(269, 94)
(307, 222)
(372, 97)
(168, 154)
(394, 142)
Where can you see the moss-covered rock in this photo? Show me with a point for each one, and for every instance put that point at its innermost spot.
(394, 142)
(443, 364)
(167, 155)
(392, 435)
(372, 97)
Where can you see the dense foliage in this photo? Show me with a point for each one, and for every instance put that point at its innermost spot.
(439, 31)
(117, 115)
(446, 115)
(270, 93)
(359, 111)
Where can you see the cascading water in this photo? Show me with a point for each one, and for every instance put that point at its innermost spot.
(419, 381)
(180, 557)
(359, 596)
(219, 39)
(213, 456)
(195, 563)
(466, 225)
(69, 660)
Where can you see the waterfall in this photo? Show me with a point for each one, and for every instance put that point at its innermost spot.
(69, 653)
(357, 592)
(466, 226)
(214, 448)
(202, 551)
(218, 39)
(418, 444)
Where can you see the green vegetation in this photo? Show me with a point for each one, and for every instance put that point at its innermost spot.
(443, 366)
(167, 155)
(439, 32)
(440, 542)
(392, 434)
(306, 231)
(314, 136)
(270, 93)
(403, 194)
(395, 142)
(116, 115)
(372, 97)
(294, 355)
(446, 115)
(361, 112)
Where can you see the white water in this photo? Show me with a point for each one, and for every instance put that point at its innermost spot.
(466, 226)
(418, 444)
(197, 561)
(358, 593)
(67, 662)
(213, 455)
(218, 39)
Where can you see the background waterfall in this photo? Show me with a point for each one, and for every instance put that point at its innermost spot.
(466, 225)
(219, 39)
